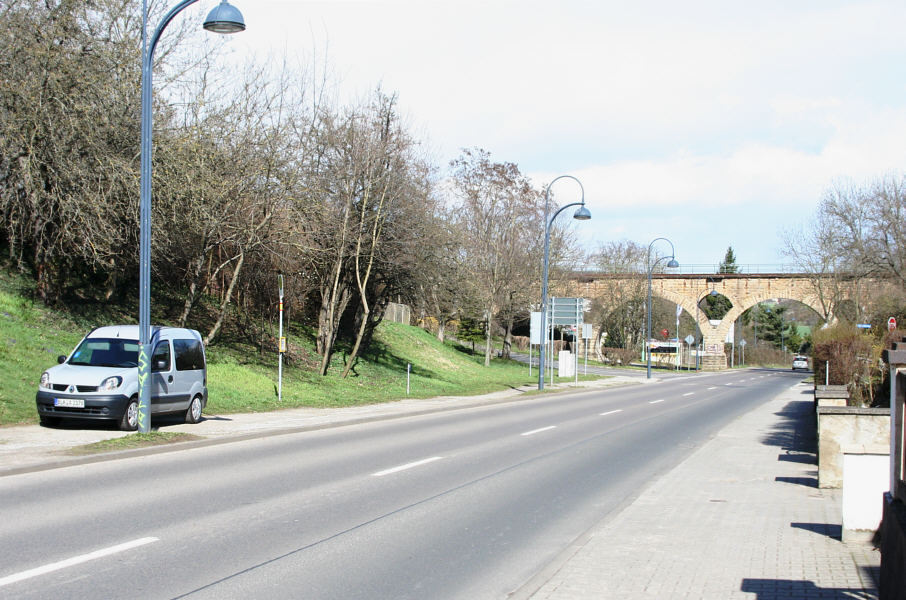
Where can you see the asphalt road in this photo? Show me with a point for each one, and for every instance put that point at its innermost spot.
(463, 504)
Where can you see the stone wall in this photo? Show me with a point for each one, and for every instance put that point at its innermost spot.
(844, 427)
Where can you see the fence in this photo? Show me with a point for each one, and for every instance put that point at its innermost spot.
(398, 313)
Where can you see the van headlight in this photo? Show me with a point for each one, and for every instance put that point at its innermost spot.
(111, 383)
(45, 380)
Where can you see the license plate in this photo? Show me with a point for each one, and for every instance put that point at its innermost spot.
(69, 402)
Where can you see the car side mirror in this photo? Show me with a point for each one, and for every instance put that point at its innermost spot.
(61, 359)
(160, 365)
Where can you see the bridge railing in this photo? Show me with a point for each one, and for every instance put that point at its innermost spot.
(703, 269)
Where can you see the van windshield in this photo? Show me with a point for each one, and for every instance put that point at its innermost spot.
(104, 352)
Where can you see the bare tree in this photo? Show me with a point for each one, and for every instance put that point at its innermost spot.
(498, 218)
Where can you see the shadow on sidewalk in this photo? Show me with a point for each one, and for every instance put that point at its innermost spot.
(796, 430)
(811, 482)
(772, 589)
(831, 530)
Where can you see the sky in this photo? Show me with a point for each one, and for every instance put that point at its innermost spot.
(713, 124)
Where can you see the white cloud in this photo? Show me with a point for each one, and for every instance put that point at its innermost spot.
(717, 120)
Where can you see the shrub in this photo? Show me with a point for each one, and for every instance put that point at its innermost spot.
(844, 355)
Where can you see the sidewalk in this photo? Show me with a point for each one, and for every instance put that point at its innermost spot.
(740, 518)
(32, 447)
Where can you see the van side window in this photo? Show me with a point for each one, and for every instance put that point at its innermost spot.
(161, 354)
(189, 355)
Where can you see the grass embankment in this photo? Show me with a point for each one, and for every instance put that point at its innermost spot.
(239, 378)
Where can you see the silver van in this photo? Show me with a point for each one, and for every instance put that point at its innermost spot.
(99, 380)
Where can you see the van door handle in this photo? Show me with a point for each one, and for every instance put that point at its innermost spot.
(169, 379)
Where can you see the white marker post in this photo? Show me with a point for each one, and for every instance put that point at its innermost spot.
(281, 345)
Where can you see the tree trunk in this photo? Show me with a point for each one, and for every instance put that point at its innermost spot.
(441, 327)
(226, 300)
(358, 342)
(508, 339)
(488, 348)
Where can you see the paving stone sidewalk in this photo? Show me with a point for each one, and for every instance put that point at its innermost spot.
(740, 518)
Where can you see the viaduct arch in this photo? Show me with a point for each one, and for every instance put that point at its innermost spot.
(744, 290)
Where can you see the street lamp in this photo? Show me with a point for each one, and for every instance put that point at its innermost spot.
(672, 265)
(581, 214)
(225, 18)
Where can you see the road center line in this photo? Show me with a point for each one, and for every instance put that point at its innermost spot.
(411, 465)
(688, 394)
(75, 560)
(534, 431)
(610, 412)
(656, 401)
(712, 387)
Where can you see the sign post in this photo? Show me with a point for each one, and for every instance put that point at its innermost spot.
(282, 344)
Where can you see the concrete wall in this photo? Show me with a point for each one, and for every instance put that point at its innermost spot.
(849, 428)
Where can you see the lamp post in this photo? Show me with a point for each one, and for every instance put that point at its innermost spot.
(581, 214)
(672, 264)
(224, 18)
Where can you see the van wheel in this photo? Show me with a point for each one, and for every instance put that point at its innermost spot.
(193, 415)
(129, 420)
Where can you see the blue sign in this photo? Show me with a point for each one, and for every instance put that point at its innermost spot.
(864, 325)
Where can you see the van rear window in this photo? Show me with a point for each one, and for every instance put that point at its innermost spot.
(189, 355)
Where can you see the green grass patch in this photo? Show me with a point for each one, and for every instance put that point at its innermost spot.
(240, 379)
(31, 338)
(133, 441)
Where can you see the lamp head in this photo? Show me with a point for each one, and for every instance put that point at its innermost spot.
(224, 18)
(582, 214)
(672, 264)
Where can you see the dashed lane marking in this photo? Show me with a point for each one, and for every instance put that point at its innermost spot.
(411, 465)
(76, 560)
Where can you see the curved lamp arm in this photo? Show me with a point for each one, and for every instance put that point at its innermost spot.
(581, 214)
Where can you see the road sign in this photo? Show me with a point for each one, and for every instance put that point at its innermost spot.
(689, 339)
(743, 342)
(891, 324)
(864, 325)
(664, 333)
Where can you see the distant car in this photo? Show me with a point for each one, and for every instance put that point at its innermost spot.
(800, 362)
(99, 380)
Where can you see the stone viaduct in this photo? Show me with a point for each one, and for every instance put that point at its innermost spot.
(744, 290)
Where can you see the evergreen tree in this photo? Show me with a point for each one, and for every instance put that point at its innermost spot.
(728, 265)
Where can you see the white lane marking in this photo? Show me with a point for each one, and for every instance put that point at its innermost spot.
(656, 401)
(411, 465)
(76, 560)
(534, 431)
(731, 383)
(610, 412)
(712, 388)
(688, 394)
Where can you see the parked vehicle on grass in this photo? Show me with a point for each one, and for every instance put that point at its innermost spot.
(99, 380)
(800, 362)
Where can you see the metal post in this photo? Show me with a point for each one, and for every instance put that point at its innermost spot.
(144, 277)
(581, 214)
(281, 346)
(408, 373)
(678, 310)
(648, 305)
